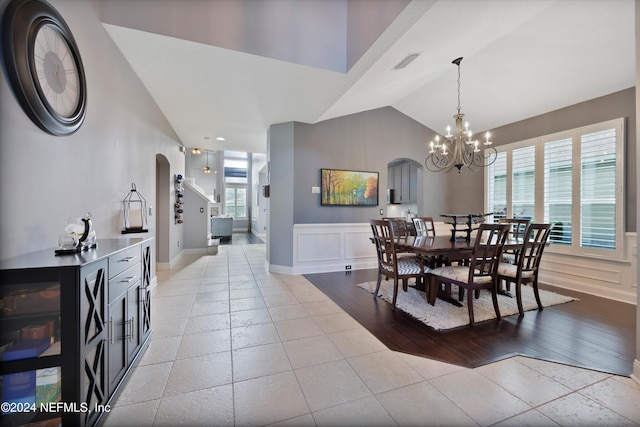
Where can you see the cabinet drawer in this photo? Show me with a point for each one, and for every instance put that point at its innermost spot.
(119, 284)
(120, 261)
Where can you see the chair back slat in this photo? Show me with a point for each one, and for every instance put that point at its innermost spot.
(487, 251)
(535, 240)
(399, 226)
(424, 226)
(518, 226)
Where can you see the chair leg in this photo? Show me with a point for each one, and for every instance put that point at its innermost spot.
(405, 284)
(519, 297)
(494, 297)
(375, 294)
(395, 293)
(536, 293)
(470, 306)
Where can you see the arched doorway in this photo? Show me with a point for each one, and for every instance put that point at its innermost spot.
(163, 209)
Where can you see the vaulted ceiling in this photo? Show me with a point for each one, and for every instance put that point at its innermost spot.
(232, 68)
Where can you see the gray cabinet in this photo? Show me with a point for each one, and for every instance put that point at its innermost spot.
(94, 311)
(403, 179)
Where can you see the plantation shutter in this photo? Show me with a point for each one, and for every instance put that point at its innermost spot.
(523, 182)
(598, 190)
(558, 189)
(497, 186)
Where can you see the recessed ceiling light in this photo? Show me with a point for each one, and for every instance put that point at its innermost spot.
(220, 138)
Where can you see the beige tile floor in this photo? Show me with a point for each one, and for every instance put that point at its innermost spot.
(236, 345)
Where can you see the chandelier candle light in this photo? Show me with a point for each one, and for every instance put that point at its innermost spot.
(459, 149)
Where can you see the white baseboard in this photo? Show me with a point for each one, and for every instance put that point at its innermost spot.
(636, 371)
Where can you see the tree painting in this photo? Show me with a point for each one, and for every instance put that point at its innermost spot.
(349, 188)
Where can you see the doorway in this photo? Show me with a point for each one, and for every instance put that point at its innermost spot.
(163, 210)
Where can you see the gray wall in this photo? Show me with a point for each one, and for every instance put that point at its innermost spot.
(467, 188)
(365, 141)
(46, 179)
(196, 219)
(280, 143)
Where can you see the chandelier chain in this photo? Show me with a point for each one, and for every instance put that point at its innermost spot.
(459, 108)
(459, 149)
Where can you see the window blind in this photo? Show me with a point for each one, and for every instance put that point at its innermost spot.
(497, 187)
(523, 182)
(558, 189)
(598, 189)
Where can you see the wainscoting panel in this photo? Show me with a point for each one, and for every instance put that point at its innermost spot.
(320, 248)
(609, 279)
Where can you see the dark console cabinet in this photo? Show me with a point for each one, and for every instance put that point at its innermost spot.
(72, 327)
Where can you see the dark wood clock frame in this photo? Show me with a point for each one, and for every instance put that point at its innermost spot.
(21, 21)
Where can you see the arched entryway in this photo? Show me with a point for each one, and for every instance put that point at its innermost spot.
(163, 209)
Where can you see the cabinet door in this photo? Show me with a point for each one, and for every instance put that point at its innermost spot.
(405, 192)
(413, 183)
(397, 182)
(93, 334)
(132, 322)
(118, 357)
(145, 292)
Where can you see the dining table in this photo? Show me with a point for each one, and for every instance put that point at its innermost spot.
(444, 248)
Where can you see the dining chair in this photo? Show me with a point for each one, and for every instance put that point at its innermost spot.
(525, 271)
(518, 227)
(480, 273)
(392, 266)
(424, 226)
(400, 229)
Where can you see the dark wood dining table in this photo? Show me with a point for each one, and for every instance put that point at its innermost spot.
(442, 247)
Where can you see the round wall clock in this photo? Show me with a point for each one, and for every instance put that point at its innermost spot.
(43, 66)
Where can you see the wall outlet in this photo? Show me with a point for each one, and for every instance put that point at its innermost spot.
(178, 243)
(347, 267)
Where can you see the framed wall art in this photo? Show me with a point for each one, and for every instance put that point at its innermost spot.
(348, 188)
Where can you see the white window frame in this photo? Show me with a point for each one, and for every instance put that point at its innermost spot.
(236, 187)
(575, 247)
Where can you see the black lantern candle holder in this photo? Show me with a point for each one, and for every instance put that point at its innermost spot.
(134, 212)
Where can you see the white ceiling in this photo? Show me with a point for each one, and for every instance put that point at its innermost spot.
(521, 59)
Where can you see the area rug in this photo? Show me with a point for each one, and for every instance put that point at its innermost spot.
(444, 315)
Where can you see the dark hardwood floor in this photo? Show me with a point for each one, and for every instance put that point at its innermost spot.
(594, 333)
(242, 238)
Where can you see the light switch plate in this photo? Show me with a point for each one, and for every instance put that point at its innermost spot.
(315, 190)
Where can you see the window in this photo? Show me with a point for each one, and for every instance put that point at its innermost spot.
(579, 174)
(523, 186)
(497, 186)
(236, 179)
(558, 189)
(235, 201)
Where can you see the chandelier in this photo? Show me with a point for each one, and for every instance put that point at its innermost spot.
(459, 149)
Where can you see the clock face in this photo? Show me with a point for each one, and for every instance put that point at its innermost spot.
(56, 71)
(43, 65)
